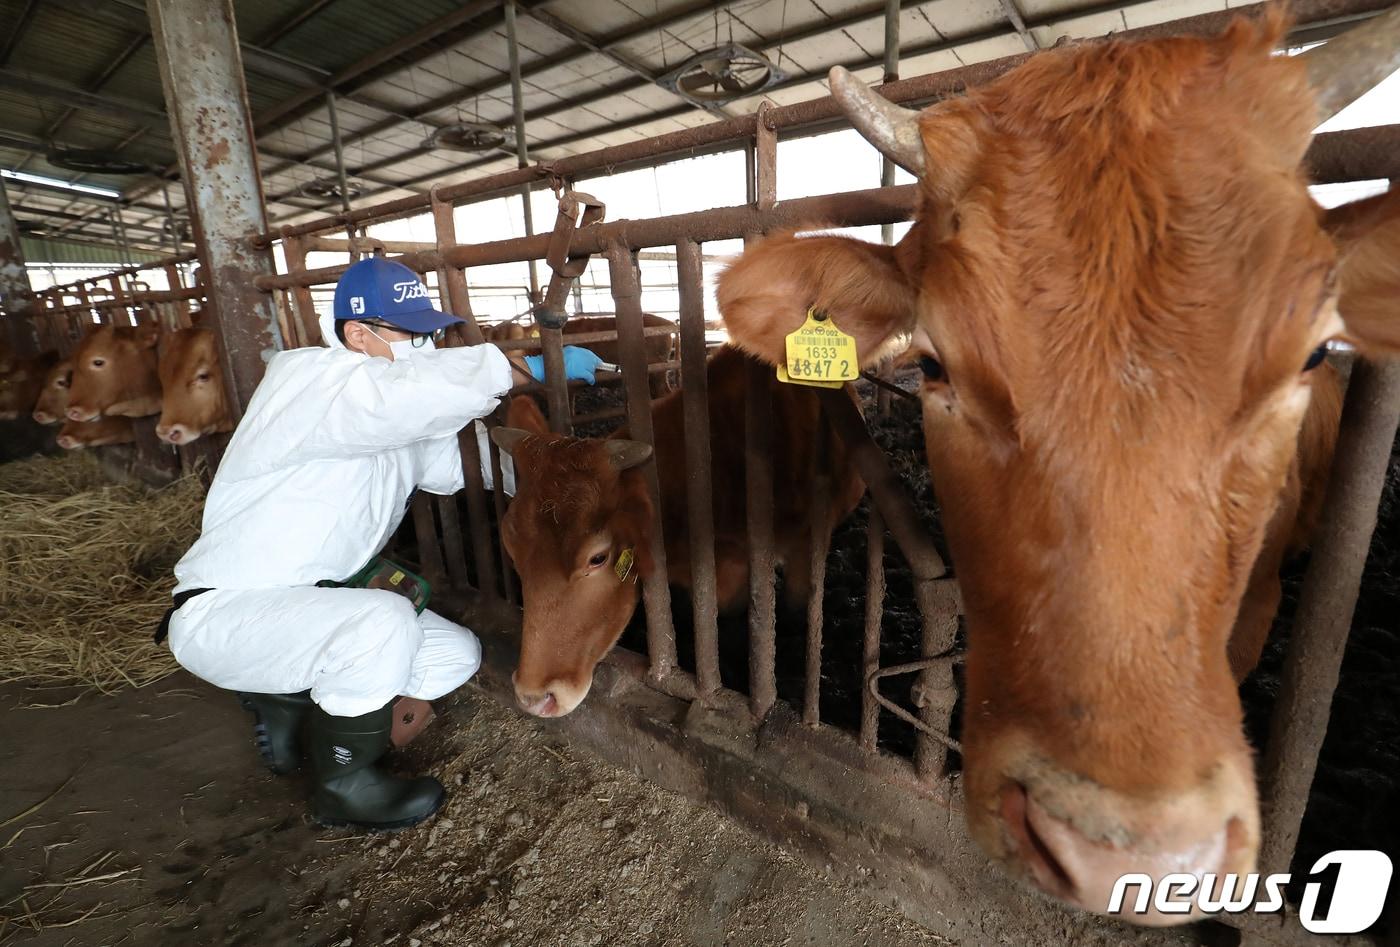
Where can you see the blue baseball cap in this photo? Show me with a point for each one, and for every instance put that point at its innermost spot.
(376, 288)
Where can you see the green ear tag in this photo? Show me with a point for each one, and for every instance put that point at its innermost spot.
(623, 567)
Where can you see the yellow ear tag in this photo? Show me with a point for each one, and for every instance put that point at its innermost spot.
(396, 578)
(820, 354)
(623, 566)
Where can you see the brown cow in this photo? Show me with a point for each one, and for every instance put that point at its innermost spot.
(193, 401)
(20, 386)
(1118, 286)
(581, 502)
(114, 373)
(98, 433)
(52, 404)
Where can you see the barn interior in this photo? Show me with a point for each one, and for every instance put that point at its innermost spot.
(783, 776)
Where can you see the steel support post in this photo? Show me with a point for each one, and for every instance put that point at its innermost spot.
(202, 74)
(16, 293)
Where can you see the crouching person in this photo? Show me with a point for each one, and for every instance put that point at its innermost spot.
(316, 478)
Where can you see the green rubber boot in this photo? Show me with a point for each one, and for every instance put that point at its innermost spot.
(349, 790)
(277, 720)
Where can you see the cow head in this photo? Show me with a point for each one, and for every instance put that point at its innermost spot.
(114, 373)
(52, 404)
(581, 512)
(1116, 286)
(193, 401)
(21, 383)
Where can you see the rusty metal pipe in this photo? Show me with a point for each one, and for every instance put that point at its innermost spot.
(758, 485)
(699, 484)
(1326, 605)
(631, 344)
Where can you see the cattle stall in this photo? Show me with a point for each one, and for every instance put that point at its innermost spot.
(886, 818)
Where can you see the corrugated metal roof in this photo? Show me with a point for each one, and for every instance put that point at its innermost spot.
(576, 98)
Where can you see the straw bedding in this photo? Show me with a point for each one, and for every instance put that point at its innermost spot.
(85, 572)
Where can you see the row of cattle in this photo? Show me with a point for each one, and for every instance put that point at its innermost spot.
(117, 374)
(1120, 294)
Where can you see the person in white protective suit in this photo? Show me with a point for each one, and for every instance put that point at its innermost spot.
(318, 475)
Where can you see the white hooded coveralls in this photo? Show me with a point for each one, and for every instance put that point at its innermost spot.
(315, 479)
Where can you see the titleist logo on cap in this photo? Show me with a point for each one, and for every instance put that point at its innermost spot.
(411, 289)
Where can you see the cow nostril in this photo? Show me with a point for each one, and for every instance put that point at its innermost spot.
(1035, 852)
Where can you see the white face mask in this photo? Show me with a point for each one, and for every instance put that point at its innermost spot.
(406, 348)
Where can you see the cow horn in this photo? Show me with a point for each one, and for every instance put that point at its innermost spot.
(1342, 70)
(623, 454)
(506, 438)
(892, 129)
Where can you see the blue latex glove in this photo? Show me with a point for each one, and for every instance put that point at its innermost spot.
(580, 364)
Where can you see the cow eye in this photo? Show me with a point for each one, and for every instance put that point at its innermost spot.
(61, 383)
(1316, 358)
(932, 368)
(202, 376)
(599, 559)
(98, 362)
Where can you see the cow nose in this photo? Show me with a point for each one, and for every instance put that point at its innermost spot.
(173, 434)
(1064, 862)
(540, 704)
(77, 414)
(43, 417)
(67, 442)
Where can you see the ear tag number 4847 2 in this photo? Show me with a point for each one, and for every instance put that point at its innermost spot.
(820, 354)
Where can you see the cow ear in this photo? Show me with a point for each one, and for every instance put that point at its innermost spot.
(524, 413)
(764, 295)
(508, 438)
(624, 454)
(1367, 234)
(630, 524)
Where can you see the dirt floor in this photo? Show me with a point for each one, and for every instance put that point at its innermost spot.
(145, 818)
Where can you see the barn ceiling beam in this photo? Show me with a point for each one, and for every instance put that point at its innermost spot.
(569, 31)
(17, 29)
(501, 81)
(292, 22)
(57, 90)
(1018, 23)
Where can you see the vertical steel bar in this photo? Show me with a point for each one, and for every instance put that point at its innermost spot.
(631, 345)
(891, 75)
(819, 536)
(170, 218)
(758, 487)
(522, 149)
(16, 292)
(758, 463)
(498, 498)
(556, 383)
(202, 77)
(182, 306)
(1326, 605)
(699, 487)
(454, 279)
(294, 250)
(429, 551)
(344, 183)
(874, 617)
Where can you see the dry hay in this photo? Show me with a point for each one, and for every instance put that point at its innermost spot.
(85, 572)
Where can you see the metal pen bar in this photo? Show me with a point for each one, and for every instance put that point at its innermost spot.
(758, 493)
(695, 402)
(874, 616)
(429, 553)
(1325, 607)
(819, 537)
(631, 343)
(498, 498)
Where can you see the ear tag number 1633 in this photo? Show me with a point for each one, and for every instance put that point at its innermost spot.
(819, 354)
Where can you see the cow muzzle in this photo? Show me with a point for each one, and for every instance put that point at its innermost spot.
(556, 698)
(1076, 840)
(176, 433)
(78, 413)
